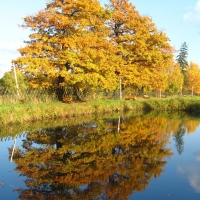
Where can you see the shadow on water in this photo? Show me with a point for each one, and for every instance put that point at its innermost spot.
(99, 158)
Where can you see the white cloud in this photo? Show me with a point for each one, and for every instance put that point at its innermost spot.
(194, 179)
(193, 15)
(180, 169)
(8, 51)
(188, 15)
(10, 46)
(5, 63)
(198, 158)
(192, 172)
(193, 175)
(4, 67)
(1, 74)
(197, 7)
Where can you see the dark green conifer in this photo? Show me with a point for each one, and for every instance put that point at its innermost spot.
(182, 56)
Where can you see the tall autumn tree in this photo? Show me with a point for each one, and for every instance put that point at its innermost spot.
(145, 51)
(69, 47)
(85, 46)
(175, 78)
(193, 78)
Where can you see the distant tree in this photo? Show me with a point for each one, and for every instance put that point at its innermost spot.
(8, 81)
(175, 78)
(193, 78)
(182, 56)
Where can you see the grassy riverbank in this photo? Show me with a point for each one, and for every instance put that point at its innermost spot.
(19, 113)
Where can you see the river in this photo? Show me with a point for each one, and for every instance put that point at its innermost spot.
(124, 156)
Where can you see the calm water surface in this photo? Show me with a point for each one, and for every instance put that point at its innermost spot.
(126, 157)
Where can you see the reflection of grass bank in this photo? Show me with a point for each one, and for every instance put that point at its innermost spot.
(19, 113)
(18, 129)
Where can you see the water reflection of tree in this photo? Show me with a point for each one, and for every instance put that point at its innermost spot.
(178, 138)
(93, 160)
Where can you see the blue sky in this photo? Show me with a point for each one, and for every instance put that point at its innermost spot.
(179, 19)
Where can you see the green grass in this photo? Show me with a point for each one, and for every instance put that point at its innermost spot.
(29, 112)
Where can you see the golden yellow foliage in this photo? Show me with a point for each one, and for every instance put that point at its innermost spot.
(84, 45)
(175, 78)
(193, 78)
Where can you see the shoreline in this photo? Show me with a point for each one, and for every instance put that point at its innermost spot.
(24, 113)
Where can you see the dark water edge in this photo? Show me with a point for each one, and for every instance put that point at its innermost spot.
(119, 156)
(14, 129)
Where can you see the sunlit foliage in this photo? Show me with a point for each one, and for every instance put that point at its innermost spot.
(175, 79)
(8, 82)
(193, 78)
(86, 46)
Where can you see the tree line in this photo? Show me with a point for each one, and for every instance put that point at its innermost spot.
(85, 46)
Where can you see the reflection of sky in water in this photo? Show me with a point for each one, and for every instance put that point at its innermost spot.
(9, 179)
(191, 169)
(181, 176)
(192, 172)
(180, 179)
